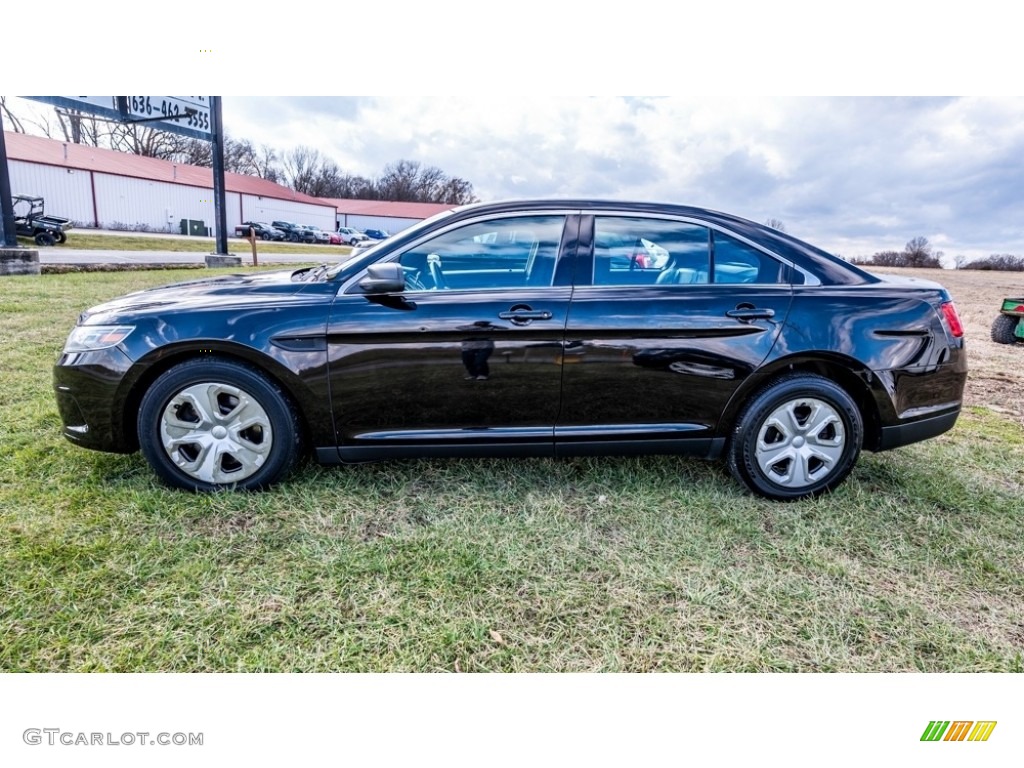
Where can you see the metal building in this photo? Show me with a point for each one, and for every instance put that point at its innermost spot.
(381, 214)
(106, 189)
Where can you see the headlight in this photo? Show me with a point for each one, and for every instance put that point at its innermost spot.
(86, 338)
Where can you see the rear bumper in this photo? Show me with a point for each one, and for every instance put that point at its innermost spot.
(915, 431)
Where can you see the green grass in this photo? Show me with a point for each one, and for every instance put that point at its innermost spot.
(915, 563)
(84, 239)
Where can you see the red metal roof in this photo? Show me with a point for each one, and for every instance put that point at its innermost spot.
(387, 208)
(37, 149)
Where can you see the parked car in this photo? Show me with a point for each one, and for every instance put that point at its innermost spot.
(508, 329)
(263, 230)
(319, 236)
(295, 232)
(351, 236)
(335, 238)
(376, 234)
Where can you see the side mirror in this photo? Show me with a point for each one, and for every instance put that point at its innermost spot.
(383, 278)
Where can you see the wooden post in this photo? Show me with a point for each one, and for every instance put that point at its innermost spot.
(252, 242)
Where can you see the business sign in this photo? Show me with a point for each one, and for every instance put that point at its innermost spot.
(191, 113)
(184, 115)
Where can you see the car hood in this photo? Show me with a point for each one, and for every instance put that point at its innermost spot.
(221, 292)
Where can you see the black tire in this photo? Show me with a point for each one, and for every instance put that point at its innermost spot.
(798, 437)
(246, 433)
(44, 238)
(1002, 329)
(265, 236)
(293, 238)
(61, 238)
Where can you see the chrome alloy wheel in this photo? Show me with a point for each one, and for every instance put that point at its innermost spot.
(800, 442)
(216, 433)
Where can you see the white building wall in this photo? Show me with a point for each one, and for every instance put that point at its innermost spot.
(126, 202)
(65, 194)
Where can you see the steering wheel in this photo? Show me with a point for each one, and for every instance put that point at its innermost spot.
(413, 282)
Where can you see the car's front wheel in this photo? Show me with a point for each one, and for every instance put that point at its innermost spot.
(209, 424)
(798, 437)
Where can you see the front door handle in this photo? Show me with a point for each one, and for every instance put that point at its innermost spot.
(747, 314)
(525, 315)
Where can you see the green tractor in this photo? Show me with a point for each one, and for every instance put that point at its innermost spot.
(1008, 326)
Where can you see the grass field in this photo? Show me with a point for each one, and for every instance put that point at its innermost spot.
(91, 240)
(915, 563)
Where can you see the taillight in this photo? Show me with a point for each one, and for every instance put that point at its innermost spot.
(952, 319)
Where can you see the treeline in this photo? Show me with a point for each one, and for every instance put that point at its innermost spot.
(916, 253)
(308, 171)
(997, 261)
(919, 253)
(303, 169)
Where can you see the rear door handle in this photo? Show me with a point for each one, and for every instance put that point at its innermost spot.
(525, 314)
(751, 313)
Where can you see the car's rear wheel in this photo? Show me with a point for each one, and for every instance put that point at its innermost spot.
(61, 238)
(209, 424)
(798, 437)
(44, 238)
(1003, 328)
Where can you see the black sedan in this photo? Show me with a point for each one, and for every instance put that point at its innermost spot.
(261, 229)
(534, 328)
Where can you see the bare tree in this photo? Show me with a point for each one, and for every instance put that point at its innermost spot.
(10, 118)
(81, 128)
(195, 152)
(919, 253)
(147, 142)
(302, 166)
(399, 182)
(457, 191)
(775, 224)
(265, 164)
(408, 181)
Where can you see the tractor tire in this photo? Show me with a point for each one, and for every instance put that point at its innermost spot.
(1002, 329)
(44, 238)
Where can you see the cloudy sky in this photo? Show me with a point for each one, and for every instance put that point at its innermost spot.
(505, 107)
(854, 175)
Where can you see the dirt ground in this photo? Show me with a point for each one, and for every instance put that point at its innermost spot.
(996, 376)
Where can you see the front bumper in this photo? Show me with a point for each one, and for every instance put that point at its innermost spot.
(87, 389)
